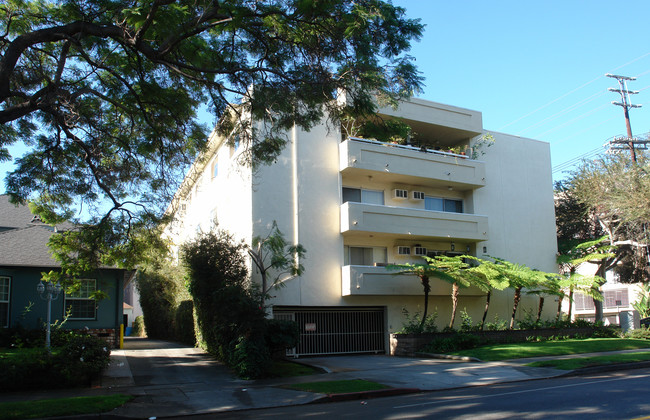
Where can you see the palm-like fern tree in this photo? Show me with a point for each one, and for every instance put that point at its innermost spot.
(424, 271)
(488, 278)
(594, 251)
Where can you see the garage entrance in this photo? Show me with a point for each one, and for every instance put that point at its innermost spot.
(337, 331)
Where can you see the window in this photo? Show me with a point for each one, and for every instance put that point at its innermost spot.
(80, 303)
(357, 195)
(5, 283)
(215, 169)
(443, 204)
(357, 255)
(583, 302)
(615, 298)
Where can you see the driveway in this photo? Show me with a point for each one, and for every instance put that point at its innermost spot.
(170, 379)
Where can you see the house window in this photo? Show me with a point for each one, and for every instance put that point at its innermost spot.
(358, 195)
(615, 298)
(80, 303)
(583, 302)
(5, 284)
(357, 255)
(443, 204)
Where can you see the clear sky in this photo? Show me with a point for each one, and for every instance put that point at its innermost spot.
(536, 68)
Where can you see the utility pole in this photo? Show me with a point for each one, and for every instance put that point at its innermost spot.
(619, 143)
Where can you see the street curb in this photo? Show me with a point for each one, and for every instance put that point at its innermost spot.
(361, 395)
(607, 368)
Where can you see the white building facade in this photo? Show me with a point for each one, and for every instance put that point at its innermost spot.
(359, 204)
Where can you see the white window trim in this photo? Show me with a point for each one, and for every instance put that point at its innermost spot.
(73, 298)
(8, 301)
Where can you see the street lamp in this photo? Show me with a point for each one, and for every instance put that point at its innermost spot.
(49, 293)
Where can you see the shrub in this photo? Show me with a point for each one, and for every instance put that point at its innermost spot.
(466, 322)
(229, 317)
(82, 358)
(184, 323)
(251, 357)
(413, 324)
(158, 301)
(73, 364)
(138, 327)
(455, 342)
(639, 333)
(497, 324)
(281, 335)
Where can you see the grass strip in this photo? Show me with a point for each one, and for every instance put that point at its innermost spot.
(285, 369)
(581, 362)
(552, 348)
(61, 406)
(338, 387)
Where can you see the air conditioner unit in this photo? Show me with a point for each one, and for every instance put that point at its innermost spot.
(403, 250)
(417, 195)
(400, 194)
(419, 251)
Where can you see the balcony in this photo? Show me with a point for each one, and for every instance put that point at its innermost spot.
(409, 165)
(358, 280)
(412, 223)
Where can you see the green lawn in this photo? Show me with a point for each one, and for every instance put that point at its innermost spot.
(581, 362)
(552, 348)
(285, 369)
(338, 387)
(61, 406)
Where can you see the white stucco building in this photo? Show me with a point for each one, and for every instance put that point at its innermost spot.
(358, 204)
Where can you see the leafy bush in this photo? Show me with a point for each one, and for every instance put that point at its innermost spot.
(138, 327)
(75, 363)
(466, 322)
(158, 301)
(455, 342)
(251, 357)
(281, 335)
(413, 323)
(497, 324)
(639, 333)
(184, 323)
(82, 358)
(229, 317)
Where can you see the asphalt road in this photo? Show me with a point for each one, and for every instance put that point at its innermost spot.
(612, 395)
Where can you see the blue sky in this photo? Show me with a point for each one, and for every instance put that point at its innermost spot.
(536, 69)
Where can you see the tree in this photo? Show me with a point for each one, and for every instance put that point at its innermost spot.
(492, 278)
(588, 252)
(105, 94)
(424, 271)
(519, 276)
(272, 254)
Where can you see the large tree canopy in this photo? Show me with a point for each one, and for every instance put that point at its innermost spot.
(105, 93)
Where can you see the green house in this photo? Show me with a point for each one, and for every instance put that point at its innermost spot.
(24, 256)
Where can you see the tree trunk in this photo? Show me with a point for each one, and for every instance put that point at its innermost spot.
(487, 306)
(559, 307)
(514, 306)
(570, 304)
(539, 309)
(454, 303)
(427, 288)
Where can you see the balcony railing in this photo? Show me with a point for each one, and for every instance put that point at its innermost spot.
(410, 164)
(407, 222)
(358, 280)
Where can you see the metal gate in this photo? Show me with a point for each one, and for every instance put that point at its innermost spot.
(337, 331)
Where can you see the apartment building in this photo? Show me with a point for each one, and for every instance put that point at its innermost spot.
(358, 204)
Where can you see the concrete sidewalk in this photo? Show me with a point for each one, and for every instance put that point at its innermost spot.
(170, 379)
